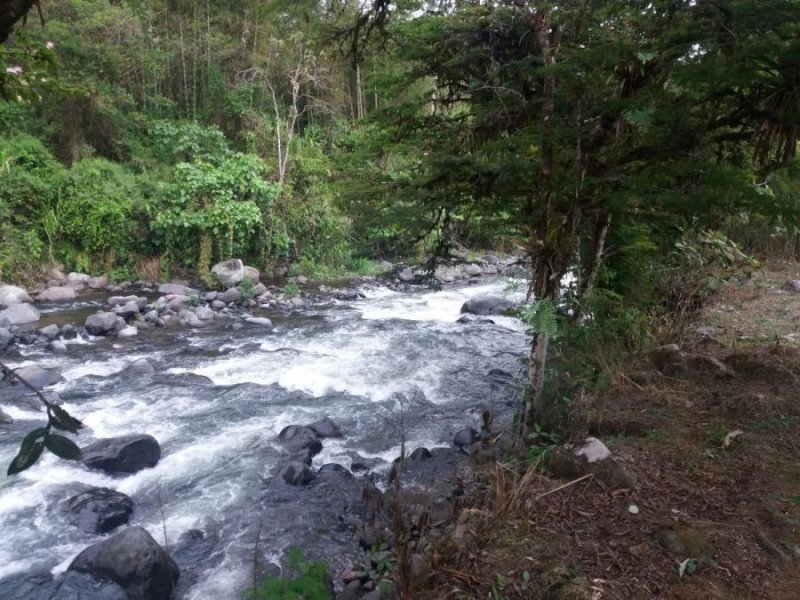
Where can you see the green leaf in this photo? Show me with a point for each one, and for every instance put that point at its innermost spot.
(61, 419)
(23, 460)
(62, 447)
(30, 439)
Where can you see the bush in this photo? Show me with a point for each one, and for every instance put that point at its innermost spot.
(311, 582)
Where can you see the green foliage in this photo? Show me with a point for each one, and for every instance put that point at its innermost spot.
(248, 288)
(310, 583)
(541, 316)
(379, 562)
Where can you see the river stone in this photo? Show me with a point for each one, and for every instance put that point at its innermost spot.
(297, 438)
(178, 303)
(133, 560)
(127, 310)
(39, 377)
(489, 270)
(326, 428)
(97, 283)
(6, 338)
(20, 314)
(50, 332)
(229, 272)
(101, 323)
(466, 437)
(231, 295)
(176, 288)
(99, 510)
(140, 301)
(420, 453)
(297, 473)
(334, 469)
(141, 366)
(128, 332)
(74, 585)
(263, 321)
(486, 305)
(204, 313)
(81, 277)
(405, 275)
(260, 290)
(57, 346)
(473, 270)
(125, 454)
(5, 419)
(251, 273)
(12, 294)
(217, 305)
(57, 294)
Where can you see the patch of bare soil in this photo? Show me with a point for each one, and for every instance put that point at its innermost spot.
(712, 434)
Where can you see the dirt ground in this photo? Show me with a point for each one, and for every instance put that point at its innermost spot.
(715, 450)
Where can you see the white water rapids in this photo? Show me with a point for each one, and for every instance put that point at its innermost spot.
(219, 441)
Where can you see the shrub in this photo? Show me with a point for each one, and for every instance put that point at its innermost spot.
(310, 583)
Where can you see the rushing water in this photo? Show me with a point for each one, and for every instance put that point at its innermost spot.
(219, 445)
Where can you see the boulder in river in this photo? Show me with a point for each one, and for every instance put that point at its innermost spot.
(230, 295)
(39, 377)
(6, 338)
(57, 294)
(229, 272)
(20, 314)
(487, 305)
(74, 585)
(326, 428)
(297, 473)
(263, 321)
(133, 560)
(466, 437)
(101, 323)
(12, 294)
(176, 288)
(297, 438)
(125, 454)
(99, 510)
(251, 273)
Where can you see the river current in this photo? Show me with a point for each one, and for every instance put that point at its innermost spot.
(345, 360)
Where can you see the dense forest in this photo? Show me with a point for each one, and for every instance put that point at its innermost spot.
(644, 152)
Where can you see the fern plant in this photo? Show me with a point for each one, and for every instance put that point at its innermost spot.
(541, 316)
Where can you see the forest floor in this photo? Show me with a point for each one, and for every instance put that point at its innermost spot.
(715, 449)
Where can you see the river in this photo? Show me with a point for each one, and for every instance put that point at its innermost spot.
(346, 360)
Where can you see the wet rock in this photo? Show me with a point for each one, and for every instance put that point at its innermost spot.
(50, 332)
(176, 289)
(128, 332)
(405, 275)
(473, 270)
(140, 301)
(297, 473)
(263, 321)
(20, 314)
(12, 294)
(99, 510)
(297, 438)
(188, 379)
(57, 294)
(487, 305)
(74, 585)
(133, 560)
(204, 313)
(125, 454)
(57, 346)
(334, 469)
(466, 437)
(126, 311)
(178, 303)
(326, 428)
(101, 323)
(6, 338)
(141, 366)
(5, 419)
(39, 377)
(217, 305)
(230, 295)
(251, 273)
(229, 272)
(151, 316)
(98, 283)
(260, 290)
(685, 542)
(592, 457)
(420, 454)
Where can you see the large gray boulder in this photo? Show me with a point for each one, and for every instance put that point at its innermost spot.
(39, 377)
(57, 294)
(12, 294)
(176, 288)
(99, 510)
(252, 274)
(487, 305)
(298, 439)
(229, 272)
(101, 323)
(126, 311)
(326, 428)
(134, 561)
(125, 454)
(20, 314)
